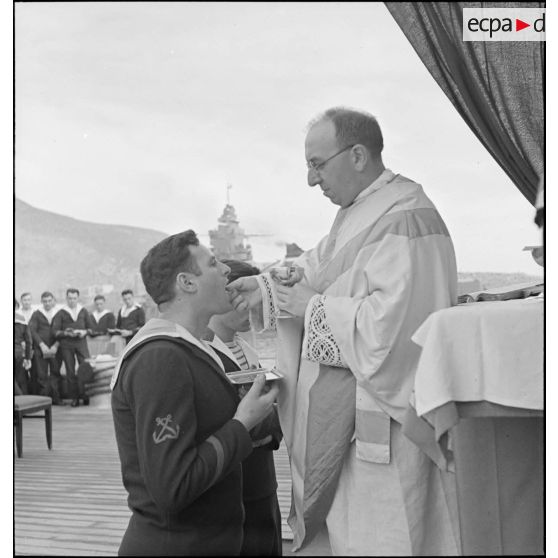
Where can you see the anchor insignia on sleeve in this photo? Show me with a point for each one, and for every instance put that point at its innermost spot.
(168, 429)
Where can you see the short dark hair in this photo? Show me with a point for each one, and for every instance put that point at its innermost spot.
(99, 297)
(24, 294)
(240, 269)
(166, 259)
(16, 304)
(127, 291)
(352, 127)
(46, 294)
(72, 290)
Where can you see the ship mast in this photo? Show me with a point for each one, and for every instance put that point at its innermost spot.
(228, 240)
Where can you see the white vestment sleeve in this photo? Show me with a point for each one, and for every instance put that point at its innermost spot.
(363, 330)
(263, 317)
(310, 262)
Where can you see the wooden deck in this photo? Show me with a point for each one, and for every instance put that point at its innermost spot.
(70, 500)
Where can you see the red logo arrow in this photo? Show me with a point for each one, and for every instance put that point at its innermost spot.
(519, 25)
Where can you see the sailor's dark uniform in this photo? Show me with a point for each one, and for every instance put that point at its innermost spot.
(180, 450)
(262, 522)
(106, 321)
(71, 348)
(133, 321)
(47, 369)
(22, 351)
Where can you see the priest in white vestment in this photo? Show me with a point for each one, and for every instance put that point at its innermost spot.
(387, 263)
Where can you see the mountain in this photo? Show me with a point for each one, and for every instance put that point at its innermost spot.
(53, 252)
(489, 280)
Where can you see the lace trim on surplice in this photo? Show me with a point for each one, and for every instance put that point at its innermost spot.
(268, 320)
(319, 345)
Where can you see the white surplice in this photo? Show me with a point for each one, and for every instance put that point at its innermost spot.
(387, 263)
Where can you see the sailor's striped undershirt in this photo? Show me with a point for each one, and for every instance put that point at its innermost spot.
(238, 353)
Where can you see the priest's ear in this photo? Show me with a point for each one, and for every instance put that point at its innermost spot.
(360, 157)
(186, 283)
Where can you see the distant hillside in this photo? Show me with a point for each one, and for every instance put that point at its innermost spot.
(490, 280)
(53, 252)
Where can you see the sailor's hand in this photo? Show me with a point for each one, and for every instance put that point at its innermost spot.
(242, 391)
(256, 405)
(294, 300)
(26, 364)
(125, 332)
(244, 293)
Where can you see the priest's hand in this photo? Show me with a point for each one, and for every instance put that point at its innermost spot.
(244, 293)
(294, 300)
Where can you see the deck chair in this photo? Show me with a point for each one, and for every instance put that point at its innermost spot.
(24, 406)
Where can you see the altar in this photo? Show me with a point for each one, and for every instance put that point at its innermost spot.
(477, 410)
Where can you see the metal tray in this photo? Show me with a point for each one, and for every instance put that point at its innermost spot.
(248, 377)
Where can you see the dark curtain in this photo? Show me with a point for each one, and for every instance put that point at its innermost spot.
(497, 87)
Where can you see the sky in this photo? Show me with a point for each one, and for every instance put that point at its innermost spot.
(141, 114)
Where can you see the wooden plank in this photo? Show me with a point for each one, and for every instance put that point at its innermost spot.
(68, 517)
(46, 530)
(108, 549)
(81, 507)
(99, 538)
(38, 550)
(19, 520)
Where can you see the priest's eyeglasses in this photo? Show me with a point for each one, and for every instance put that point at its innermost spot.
(317, 167)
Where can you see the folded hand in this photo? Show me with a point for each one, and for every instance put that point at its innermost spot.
(294, 300)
